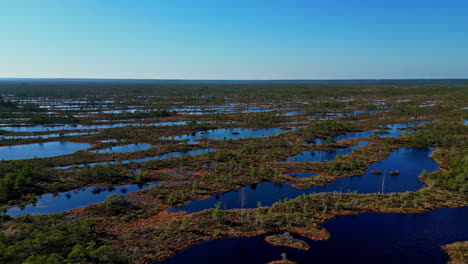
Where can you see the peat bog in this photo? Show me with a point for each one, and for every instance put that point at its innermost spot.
(159, 172)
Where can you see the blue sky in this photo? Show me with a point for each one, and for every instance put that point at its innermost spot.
(235, 39)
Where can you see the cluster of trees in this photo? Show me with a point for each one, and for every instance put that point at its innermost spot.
(439, 134)
(324, 128)
(122, 133)
(264, 171)
(455, 178)
(51, 119)
(175, 197)
(171, 196)
(7, 104)
(19, 179)
(324, 107)
(9, 109)
(53, 238)
(217, 214)
(102, 173)
(116, 205)
(194, 125)
(260, 119)
(351, 164)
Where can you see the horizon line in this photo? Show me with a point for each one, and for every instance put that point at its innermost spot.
(188, 79)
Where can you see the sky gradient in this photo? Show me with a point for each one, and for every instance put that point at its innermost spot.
(235, 39)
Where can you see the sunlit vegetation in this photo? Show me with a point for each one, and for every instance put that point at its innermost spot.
(20, 178)
(116, 205)
(260, 119)
(440, 134)
(287, 240)
(101, 173)
(455, 177)
(457, 251)
(53, 239)
(322, 128)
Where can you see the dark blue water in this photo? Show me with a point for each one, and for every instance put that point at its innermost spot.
(42, 128)
(65, 201)
(363, 238)
(231, 133)
(40, 150)
(125, 148)
(393, 131)
(302, 174)
(325, 155)
(410, 162)
(163, 156)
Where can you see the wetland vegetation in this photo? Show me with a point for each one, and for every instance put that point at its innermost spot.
(105, 171)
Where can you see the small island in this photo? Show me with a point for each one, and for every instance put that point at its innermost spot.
(301, 186)
(287, 240)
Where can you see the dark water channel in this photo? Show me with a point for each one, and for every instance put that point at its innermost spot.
(365, 238)
(409, 162)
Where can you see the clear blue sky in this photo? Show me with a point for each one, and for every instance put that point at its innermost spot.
(234, 39)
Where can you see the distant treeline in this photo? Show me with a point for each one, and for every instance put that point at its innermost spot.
(280, 89)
